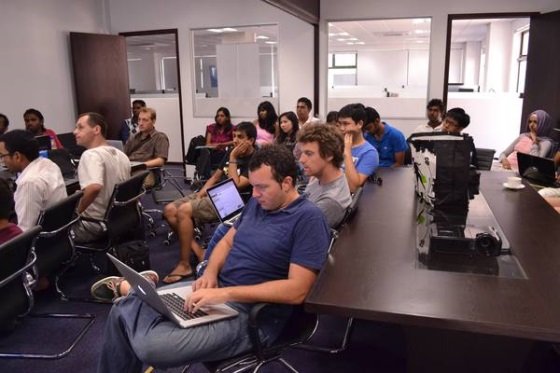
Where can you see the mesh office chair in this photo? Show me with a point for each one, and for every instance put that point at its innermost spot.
(485, 158)
(122, 222)
(54, 245)
(18, 258)
(350, 212)
(300, 327)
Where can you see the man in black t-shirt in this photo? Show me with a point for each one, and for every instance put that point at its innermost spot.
(184, 213)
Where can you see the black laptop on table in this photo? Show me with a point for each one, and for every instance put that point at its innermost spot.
(537, 170)
(227, 201)
(169, 302)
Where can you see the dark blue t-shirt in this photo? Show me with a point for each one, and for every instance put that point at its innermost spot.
(267, 242)
(393, 141)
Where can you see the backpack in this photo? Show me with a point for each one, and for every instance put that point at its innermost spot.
(193, 152)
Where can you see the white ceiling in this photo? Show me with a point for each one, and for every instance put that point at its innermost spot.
(406, 32)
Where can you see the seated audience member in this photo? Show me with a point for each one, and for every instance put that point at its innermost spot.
(184, 213)
(35, 123)
(40, 183)
(434, 112)
(389, 142)
(332, 118)
(4, 123)
(8, 230)
(304, 114)
(266, 123)
(130, 125)
(148, 145)
(534, 140)
(456, 120)
(360, 157)
(253, 263)
(287, 134)
(322, 154)
(219, 135)
(101, 167)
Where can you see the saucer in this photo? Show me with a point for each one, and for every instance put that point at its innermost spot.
(514, 187)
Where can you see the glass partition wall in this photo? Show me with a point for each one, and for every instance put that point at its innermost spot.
(235, 67)
(381, 63)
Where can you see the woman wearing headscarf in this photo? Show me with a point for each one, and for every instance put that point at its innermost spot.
(534, 141)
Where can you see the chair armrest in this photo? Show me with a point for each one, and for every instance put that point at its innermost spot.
(253, 328)
(61, 229)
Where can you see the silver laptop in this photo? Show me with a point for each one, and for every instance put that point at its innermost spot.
(116, 144)
(226, 201)
(169, 302)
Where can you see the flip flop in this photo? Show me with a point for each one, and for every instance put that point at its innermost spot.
(178, 276)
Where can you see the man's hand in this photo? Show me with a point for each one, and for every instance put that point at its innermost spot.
(205, 281)
(239, 150)
(203, 297)
(348, 143)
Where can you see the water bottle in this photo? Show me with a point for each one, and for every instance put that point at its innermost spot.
(53, 143)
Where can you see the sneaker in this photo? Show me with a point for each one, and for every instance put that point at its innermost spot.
(108, 289)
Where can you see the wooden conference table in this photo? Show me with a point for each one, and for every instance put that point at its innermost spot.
(449, 318)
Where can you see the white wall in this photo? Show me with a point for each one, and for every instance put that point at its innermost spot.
(295, 52)
(36, 68)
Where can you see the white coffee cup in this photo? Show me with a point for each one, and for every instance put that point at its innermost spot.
(514, 181)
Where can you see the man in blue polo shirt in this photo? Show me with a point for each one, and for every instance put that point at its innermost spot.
(272, 254)
(389, 141)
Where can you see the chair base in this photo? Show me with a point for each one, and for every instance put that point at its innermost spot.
(85, 316)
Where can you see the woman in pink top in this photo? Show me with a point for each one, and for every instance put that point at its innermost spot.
(266, 123)
(534, 141)
(35, 123)
(219, 135)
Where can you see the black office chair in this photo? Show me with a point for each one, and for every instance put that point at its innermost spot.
(350, 212)
(122, 222)
(485, 158)
(18, 258)
(167, 189)
(300, 326)
(55, 246)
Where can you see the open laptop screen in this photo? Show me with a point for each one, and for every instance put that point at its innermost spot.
(226, 199)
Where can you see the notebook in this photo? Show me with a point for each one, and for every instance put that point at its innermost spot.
(538, 170)
(226, 201)
(169, 302)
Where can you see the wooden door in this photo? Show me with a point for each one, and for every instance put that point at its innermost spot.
(542, 79)
(101, 77)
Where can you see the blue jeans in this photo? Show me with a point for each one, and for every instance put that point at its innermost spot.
(136, 333)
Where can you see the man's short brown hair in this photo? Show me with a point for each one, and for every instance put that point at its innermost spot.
(95, 119)
(330, 140)
(149, 110)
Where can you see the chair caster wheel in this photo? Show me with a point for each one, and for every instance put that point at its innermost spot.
(166, 242)
(152, 234)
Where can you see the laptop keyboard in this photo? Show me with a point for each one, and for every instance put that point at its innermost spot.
(175, 304)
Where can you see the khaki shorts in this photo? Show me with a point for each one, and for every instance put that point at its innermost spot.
(203, 210)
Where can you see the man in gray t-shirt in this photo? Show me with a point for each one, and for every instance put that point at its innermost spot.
(322, 154)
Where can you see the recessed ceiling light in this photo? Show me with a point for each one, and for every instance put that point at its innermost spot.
(360, 42)
(229, 29)
(262, 37)
(343, 34)
(216, 30)
(270, 42)
(350, 43)
(341, 39)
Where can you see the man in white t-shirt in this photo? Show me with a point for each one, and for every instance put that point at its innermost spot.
(434, 111)
(101, 167)
(304, 114)
(39, 184)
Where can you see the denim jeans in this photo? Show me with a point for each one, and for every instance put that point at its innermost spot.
(136, 333)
